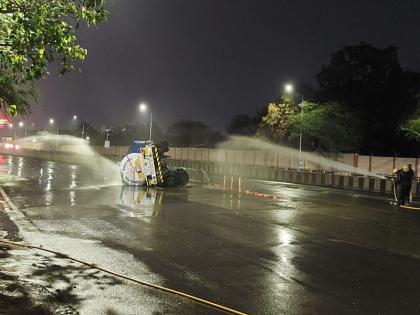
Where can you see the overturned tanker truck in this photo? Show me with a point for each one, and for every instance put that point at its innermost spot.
(145, 165)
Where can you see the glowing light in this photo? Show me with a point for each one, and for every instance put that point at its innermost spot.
(285, 237)
(74, 117)
(288, 88)
(143, 107)
(21, 124)
(51, 121)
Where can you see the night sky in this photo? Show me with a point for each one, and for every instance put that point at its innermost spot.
(212, 59)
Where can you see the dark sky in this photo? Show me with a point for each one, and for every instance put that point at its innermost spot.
(212, 59)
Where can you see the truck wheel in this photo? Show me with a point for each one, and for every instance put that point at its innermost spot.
(182, 177)
(170, 181)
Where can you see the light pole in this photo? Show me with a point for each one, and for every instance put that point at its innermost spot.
(21, 124)
(83, 126)
(11, 127)
(52, 121)
(143, 108)
(288, 88)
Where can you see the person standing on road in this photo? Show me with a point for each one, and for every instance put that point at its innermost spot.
(403, 180)
(410, 183)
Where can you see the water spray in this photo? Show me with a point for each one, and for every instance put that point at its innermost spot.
(248, 143)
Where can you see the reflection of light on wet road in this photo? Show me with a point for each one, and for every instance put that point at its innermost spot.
(10, 164)
(20, 166)
(48, 197)
(50, 173)
(72, 197)
(73, 180)
(285, 237)
(73, 176)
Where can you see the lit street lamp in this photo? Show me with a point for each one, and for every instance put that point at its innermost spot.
(83, 126)
(288, 88)
(52, 121)
(143, 109)
(21, 124)
(11, 127)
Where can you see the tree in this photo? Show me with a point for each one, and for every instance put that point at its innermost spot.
(326, 128)
(275, 124)
(15, 98)
(246, 125)
(371, 83)
(193, 133)
(411, 129)
(35, 33)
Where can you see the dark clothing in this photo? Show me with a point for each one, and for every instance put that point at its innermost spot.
(410, 183)
(404, 181)
(403, 194)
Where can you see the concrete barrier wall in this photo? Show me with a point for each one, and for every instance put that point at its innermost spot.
(376, 164)
(315, 178)
(263, 167)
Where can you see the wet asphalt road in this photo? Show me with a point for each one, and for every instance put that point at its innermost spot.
(311, 250)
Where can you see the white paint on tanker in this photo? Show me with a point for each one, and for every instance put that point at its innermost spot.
(131, 170)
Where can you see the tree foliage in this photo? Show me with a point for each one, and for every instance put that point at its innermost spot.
(15, 98)
(327, 128)
(411, 129)
(371, 83)
(193, 133)
(36, 33)
(276, 123)
(245, 125)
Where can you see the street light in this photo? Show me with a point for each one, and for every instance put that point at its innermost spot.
(52, 121)
(83, 126)
(288, 88)
(143, 109)
(21, 124)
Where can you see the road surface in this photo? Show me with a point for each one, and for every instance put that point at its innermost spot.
(310, 250)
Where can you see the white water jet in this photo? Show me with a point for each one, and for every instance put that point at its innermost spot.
(98, 164)
(248, 143)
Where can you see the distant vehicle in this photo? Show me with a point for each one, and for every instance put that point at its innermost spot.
(145, 165)
(7, 143)
(6, 139)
